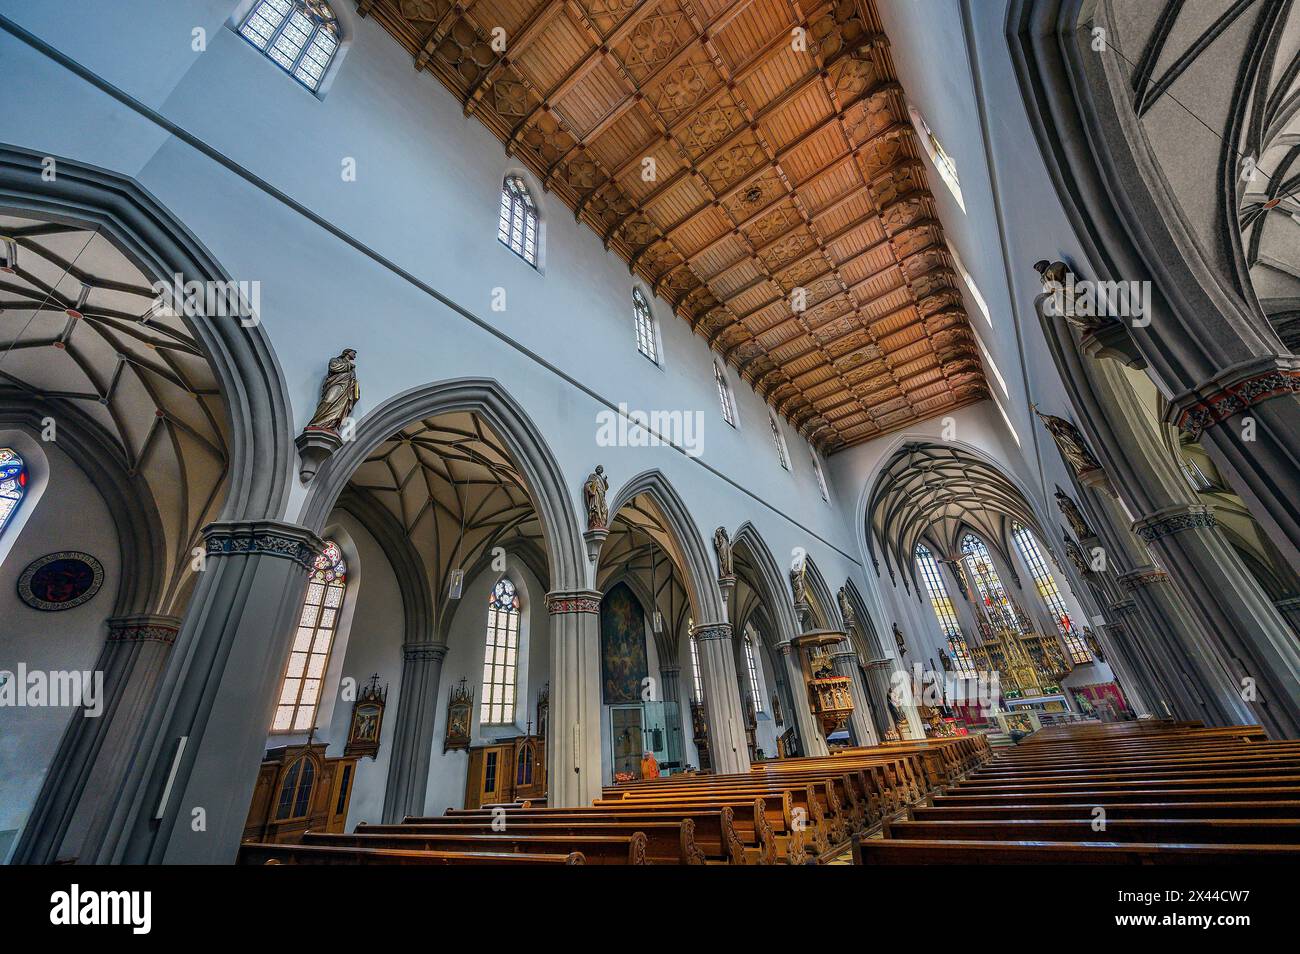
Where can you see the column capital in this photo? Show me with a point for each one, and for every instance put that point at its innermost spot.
(1142, 576)
(1233, 391)
(559, 602)
(1125, 606)
(1170, 520)
(669, 670)
(274, 538)
(144, 628)
(424, 651)
(1288, 604)
(702, 631)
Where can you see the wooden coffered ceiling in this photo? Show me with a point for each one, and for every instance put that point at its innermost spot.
(777, 166)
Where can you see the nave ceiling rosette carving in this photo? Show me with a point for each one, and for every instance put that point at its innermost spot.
(784, 172)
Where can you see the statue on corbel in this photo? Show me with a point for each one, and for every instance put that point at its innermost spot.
(1103, 335)
(900, 642)
(594, 489)
(324, 433)
(1072, 445)
(1073, 515)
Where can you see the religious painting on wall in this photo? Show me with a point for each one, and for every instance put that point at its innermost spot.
(459, 704)
(367, 718)
(60, 581)
(623, 666)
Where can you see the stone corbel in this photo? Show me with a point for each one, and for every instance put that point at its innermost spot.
(595, 538)
(1112, 341)
(315, 446)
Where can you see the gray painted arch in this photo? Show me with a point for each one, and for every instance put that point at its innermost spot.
(528, 449)
(698, 573)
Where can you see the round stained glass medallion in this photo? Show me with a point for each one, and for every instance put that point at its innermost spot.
(60, 581)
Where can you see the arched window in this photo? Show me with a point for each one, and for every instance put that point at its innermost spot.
(942, 161)
(993, 596)
(299, 36)
(944, 610)
(645, 326)
(13, 484)
(517, 225)
(821, 477)
(695, 672)
(1047, 589)
(752, 669)
(724, 395)
(310, 655)
(778, 440)
(500, 655)
(295, 790)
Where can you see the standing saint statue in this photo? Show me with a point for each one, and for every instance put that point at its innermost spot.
(846, 609)
(593, 493)
(722, 544)
(900, 641)
(1072, 513)
(339, 393)
(798, 586)
(1069, 441)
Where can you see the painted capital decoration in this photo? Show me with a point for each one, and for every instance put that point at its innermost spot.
(1232, 398)
(60, 581)
(1072, 513)
(1070, 442)
(584, 602)
(594, 489)
(1153, 528)
(722, 545)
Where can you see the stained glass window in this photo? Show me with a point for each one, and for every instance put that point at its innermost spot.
(944, 610)
(724, 395)
(998, 608)
(500, 656)
(778, 440)
(13, 484)
(517, 225)
(310, 655)
(299, 36)
(752, 669)
(645, 325)
(1047, 589)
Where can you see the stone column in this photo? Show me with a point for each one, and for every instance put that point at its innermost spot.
(1245, 629)
(845, 661)
(726, 716)
(186, 792)
(417, 713)
(574, 773)
(670, 691)
(94, 752)
(810, 735)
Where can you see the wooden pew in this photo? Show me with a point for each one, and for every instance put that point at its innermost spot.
(260, 854)
(628, 848)
(905, 852)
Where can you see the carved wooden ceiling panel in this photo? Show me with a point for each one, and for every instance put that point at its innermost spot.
(770, 189)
